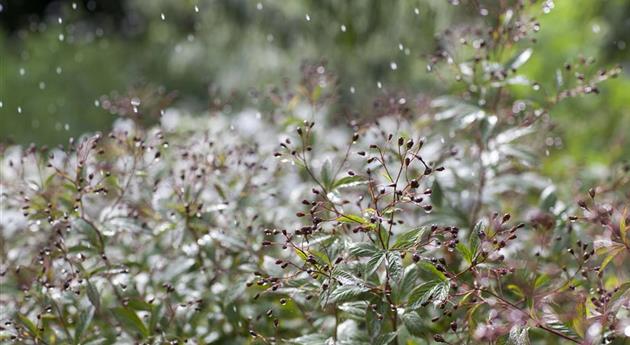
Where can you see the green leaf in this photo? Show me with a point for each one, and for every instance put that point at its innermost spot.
(351, 218)
(85, 319)
(385, 339)
(30, 326)
(346, 293)
(408, 239)
(93, 295)
(130, 320)
(310, 339)
(414, 324)
(465, 252)
(407, 284)
(349, 181)
(326, 174)
(518, 335)
(394, 266)
(374, 263)
(520, 59)
(437, 195)
(434, 290)
(430, 268)
(363, 249)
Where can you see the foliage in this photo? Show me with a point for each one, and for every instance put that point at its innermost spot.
(433, 223)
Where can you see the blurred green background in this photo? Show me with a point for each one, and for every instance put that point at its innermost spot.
(62, 62)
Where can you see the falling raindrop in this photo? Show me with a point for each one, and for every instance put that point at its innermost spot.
(59, 20)
(401, 47)
(259, 6)
(19, 110)
(42, 85)
(416, 11)
(393, 66)
(196, 9)
(61, 37)
(343, 28)
(352, 90)
(66, 127)
(1, 104)
(58, 70)
(135, 101)
(308, 18)
(163, 16)
(22, 71)
(379, 85)
(97, 103)
(483, 12)
(74, 5)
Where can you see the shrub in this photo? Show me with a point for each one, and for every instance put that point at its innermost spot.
(431, 224)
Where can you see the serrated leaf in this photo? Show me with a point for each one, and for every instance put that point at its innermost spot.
(407, 284)
(394, 266)
(519, 335)
(130, 320)
(346, 293)
(363, 249)
(310, 339)
(408, 239)
(385, 339)
(374, 263)
(435, 290)
(414, 323)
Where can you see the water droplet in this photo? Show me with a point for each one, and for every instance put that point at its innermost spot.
(270, 38)
(483, 12)
(429, 68)
(163, 16)
(59, 20)
(393, 66)
(401, 47)
(66, 127)
(259, 6)
(402, 101)
(352, 90)
(308, 18)
(379, 85)
(1, 8)
(196, 9)
(536, 86)
(135, 101)
(74, 5)
(97, 103)
(22, 71)
(42, 85)
(596, 29)
(343, 28)
(416, 11)
(61, 37)
(58, 70)
(19, 110)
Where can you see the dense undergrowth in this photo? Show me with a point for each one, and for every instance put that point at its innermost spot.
(432, 224)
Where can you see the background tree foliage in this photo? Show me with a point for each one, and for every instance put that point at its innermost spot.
(315, 172)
